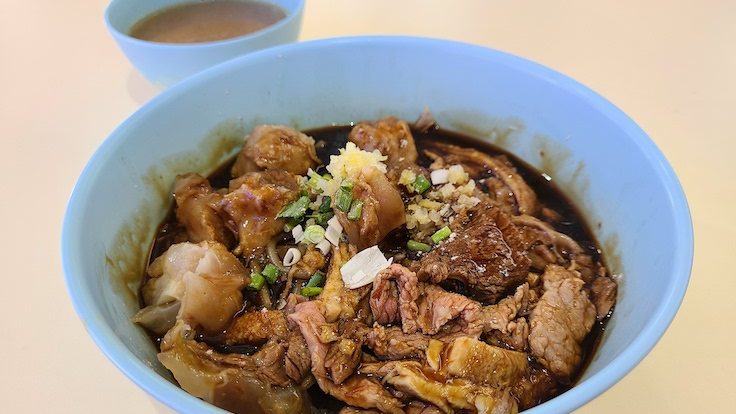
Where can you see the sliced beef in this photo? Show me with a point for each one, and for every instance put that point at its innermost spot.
(448, 315)
(394, 298)
(505, 185)
(604, 291)
(198, 209)
(503, 324)
(344, 354)
(270, 147)
(486, 255)
(251, 208)
(559, 322)
(391, 343)
(357, 390)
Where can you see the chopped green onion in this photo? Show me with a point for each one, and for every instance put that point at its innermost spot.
(317, 280)
(343, 198)
(326, 205)
(311, 291)
(327, 176)
(421, 184)
(347, 184)
(256, 281)
(416, 246)
(271, 273)
(323, 218)
(295, 209)
(441, 234)
(303, 193)
(312, 183)
(314, 234)
(356, 209)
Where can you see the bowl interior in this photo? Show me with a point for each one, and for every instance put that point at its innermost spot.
(612, 170)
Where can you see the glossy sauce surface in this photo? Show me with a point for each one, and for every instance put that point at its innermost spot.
(207, 21)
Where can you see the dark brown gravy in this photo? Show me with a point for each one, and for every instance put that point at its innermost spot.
(206, 21)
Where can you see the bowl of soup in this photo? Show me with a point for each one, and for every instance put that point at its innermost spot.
(425, 225)
(169, 40)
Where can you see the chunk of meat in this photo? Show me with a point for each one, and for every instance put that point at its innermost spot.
(560, 321)
(238, 383)
(391, 343)
(205, 278)
(271, 147)
(504, 183)
(438, 307)
(357, 390)
(503, 323)
(382, 211)
(251, 209)
(391, 137)
(448, 394)
(198, 209)
(297, 360)
(337, 301)
(394, 297)
(256, 328)
(422, 307)
(486, 255)
(604, 291)
(343, 355)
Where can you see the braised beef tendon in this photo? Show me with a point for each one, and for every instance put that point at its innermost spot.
(407, 274)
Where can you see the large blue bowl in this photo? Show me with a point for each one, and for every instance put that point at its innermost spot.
(609, 166)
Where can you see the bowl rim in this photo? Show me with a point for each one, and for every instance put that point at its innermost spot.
(292, 14)
(582, 393)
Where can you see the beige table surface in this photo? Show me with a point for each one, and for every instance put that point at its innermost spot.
(64, 86)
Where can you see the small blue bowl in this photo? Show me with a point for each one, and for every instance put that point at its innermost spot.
(164, 64)
(610, 168)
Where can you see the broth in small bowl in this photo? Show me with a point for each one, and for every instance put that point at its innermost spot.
(169, 40)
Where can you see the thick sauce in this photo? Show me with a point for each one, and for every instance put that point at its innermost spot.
(206, 21)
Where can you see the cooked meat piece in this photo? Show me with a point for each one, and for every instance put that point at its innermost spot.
(312, 260)
(343, 355)
(251, 209)
(604, 291)
(448, 394)
(270, 147)
(206, 278)
(391, 343)
(502, 324)
(297, 360)
(534, 386)
(486, 255)
(198, 209)
(382, 211)
(357, 390)
(394, 298)
(505, 184)
(391, 137)
(256, 328)
(421, 407)
(448, 315)
(337, 301)
(238, 383)
(482, 363)
(536, 232)
(502, 314)
(560, 321)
